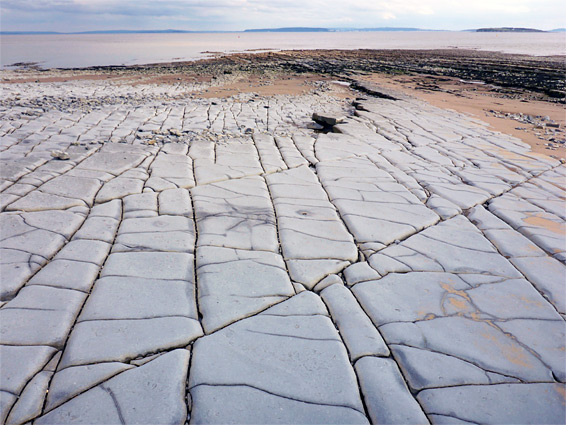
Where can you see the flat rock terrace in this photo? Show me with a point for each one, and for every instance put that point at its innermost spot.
(170, 259)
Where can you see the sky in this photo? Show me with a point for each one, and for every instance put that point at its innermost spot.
(236, 15)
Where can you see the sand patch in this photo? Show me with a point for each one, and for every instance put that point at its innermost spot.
(478, 100)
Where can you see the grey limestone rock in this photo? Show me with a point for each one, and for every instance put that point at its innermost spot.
(441, 370)
(474, 341)
(235, 214)
(289, 357)
(308, 272)
(74, 380)
(374, 207)
(329, 280)
(156, 265)
(327, 119)
(152, 393)
(30, 402)
(360, 272)
(456, 246)
(548, 276)
(119, 188)
(359, 334)
(98, 228)
(118, 297)
(75, 187)
(118, 340)
(39, 315)
(386, 395)
(234, 284)
(20, 364)
(160, 233)
(175, 202)
(7, 400)
(41, 201)
(68, 274)
(314, 240)
(140, 202)
(244, 404)
(63, 222)
(85, 250)
(498, 404)
(544, 337)
(114, 162)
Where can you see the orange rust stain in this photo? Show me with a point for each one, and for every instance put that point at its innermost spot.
(561, 392)
(540, 221)
(490, 323)
(475, 316)
(512, 353)
(458, 303)
(530, 301)
(430, 316)
(451, 290)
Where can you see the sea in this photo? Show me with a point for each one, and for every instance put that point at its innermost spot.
(84, 50)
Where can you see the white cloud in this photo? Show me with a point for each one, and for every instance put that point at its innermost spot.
(241, 14)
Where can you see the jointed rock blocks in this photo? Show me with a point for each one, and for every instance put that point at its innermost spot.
(219, 262)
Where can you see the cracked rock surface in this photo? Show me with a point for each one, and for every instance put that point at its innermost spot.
(217, 261)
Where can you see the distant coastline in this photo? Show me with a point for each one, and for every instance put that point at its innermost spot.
(285, 29)
(290, 29)
(508, 29)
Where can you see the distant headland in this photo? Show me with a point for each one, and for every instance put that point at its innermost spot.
(290, 29)
(508, 29)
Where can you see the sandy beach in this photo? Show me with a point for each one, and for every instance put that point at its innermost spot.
(293, 237)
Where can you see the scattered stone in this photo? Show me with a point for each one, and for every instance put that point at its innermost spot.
(60, 155)
(327, 119)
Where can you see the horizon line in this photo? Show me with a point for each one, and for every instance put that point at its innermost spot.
(282, 29)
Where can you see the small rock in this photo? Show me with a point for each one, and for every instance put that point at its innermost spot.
(60, 155)
(315, 126)
(327, 118)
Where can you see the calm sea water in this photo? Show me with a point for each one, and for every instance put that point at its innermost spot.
(68, 51)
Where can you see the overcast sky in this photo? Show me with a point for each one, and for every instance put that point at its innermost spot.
(84, 15)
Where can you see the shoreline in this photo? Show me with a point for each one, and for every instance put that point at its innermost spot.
(141, 49)
(505, 69)
(526, 100)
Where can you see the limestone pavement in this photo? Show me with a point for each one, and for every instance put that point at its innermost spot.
(215, 261)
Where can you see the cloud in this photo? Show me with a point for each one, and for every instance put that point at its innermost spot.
(68, 15)
(123, 7)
